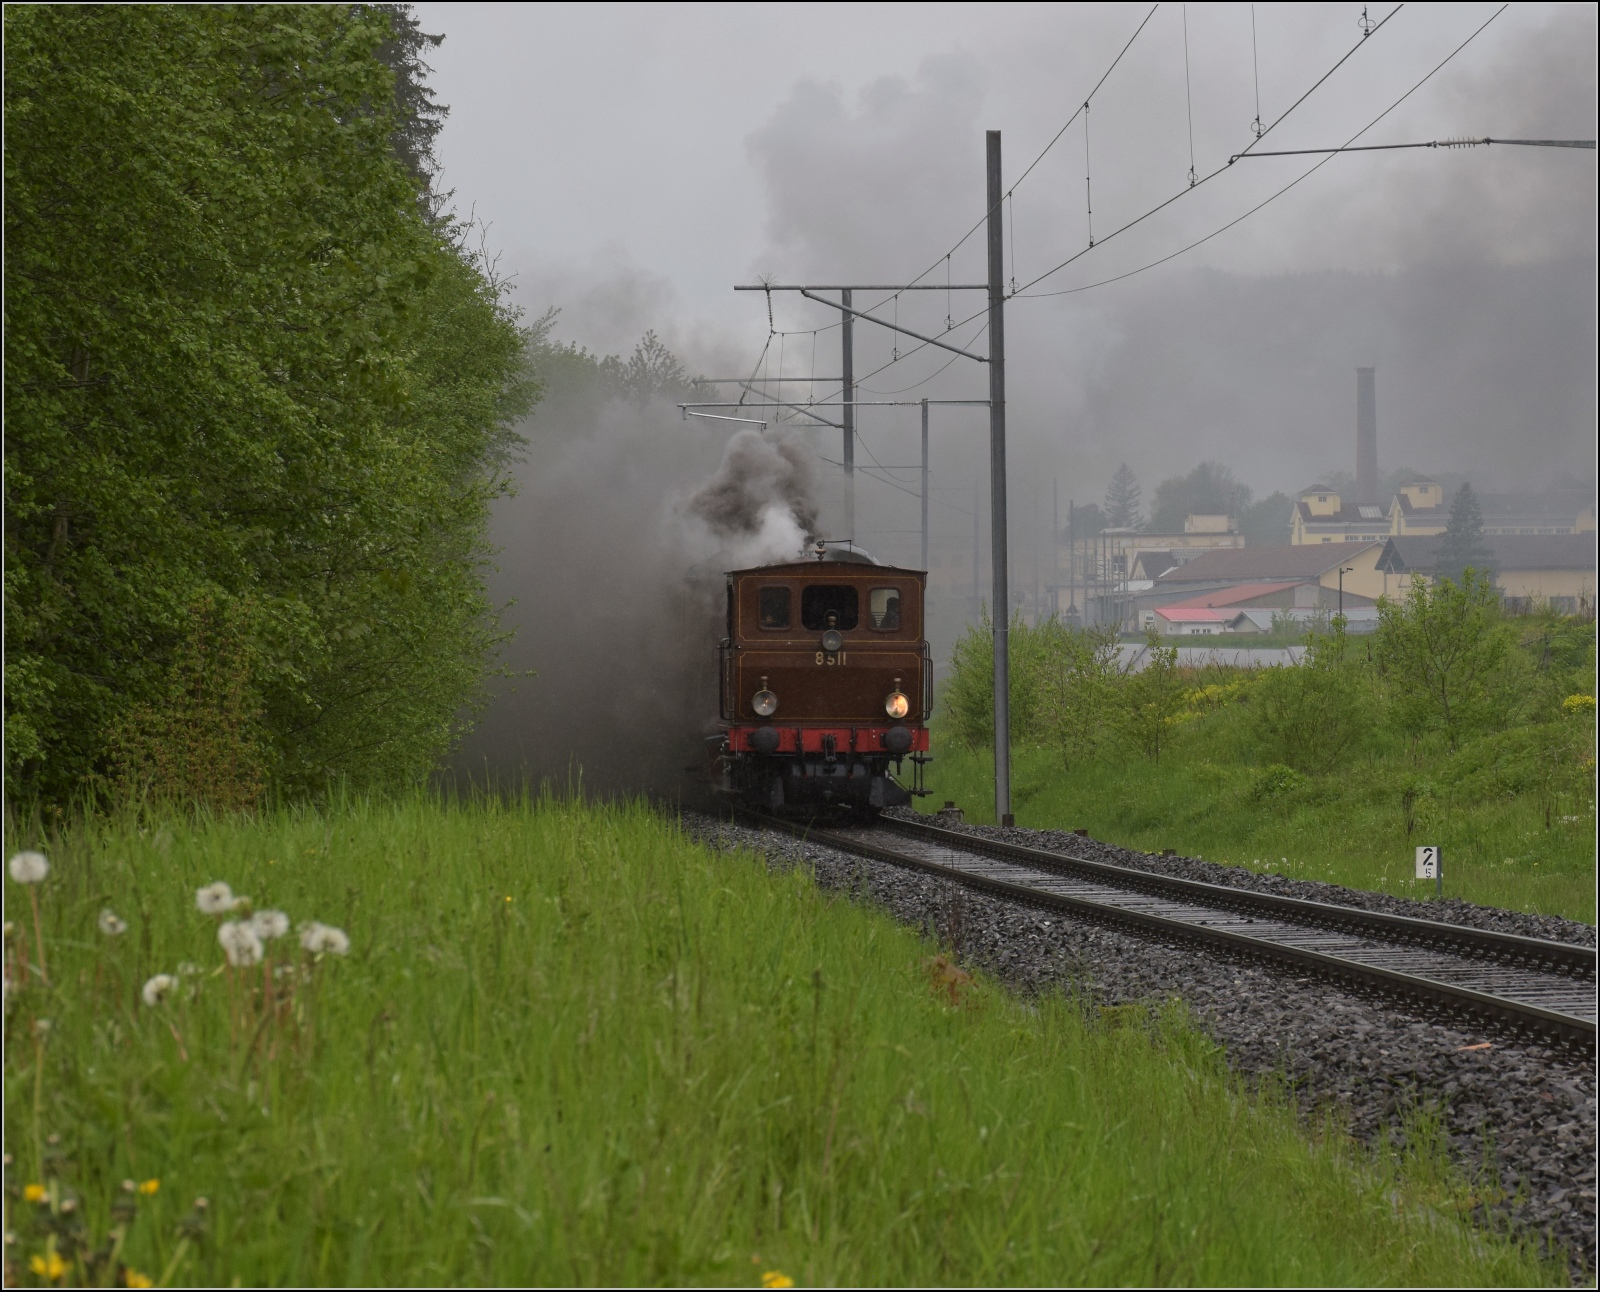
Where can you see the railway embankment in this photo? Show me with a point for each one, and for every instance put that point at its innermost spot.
(1517, 1115)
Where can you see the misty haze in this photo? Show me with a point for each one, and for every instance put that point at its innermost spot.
(1463, 277)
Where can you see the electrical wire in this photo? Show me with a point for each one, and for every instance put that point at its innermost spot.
(1188, 94)
(1022, 291)
(1306, 175)
(1160, 206)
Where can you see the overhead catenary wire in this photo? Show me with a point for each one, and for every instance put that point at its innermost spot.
(1291, 184)
(1431, 143)
(1255, 68)
(1022, 290)
(1188, 93)
(1160, 206)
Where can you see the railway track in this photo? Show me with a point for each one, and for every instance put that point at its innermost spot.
(1528, 985)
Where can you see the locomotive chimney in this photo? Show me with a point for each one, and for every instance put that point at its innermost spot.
(1366, 436)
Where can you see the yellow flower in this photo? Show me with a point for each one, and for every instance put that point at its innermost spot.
(49, 1266)
(774, 1279)
(134, 1279)
(150, 1186)
(35, 1192)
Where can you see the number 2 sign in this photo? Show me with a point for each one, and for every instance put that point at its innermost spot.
(1430, 865)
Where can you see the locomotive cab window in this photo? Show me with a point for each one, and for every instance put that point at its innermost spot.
(773, 607)
(828, 605)
(883, 604)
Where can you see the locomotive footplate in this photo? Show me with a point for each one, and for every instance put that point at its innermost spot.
(809, 767)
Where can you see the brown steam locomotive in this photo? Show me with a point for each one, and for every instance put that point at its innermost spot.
(826, 684)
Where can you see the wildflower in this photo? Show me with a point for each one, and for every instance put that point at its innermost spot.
(133, 1279)
(269, 924)
(158, 988)
(216, 899)
(50, 1266)
(187, 969)
(29, 867)
(111, 925)
(776, 1279)
(147, 1187)
(318, 938)
(240, 942)
(34, 1192)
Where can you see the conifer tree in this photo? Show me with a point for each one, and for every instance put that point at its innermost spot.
(1462, 546)
(1122, 500)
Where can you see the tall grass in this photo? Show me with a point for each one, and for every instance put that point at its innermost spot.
(570, 1046)
(1506, 842)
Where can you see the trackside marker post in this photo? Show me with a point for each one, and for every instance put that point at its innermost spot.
(1430, 865)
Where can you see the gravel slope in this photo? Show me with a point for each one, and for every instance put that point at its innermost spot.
(1526, 1109)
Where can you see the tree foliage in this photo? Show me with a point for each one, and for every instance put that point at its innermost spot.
(1312, 717)
(1122, 500)
(1446, 653)
(1461, 546)
(1210, 489)
(243, 366)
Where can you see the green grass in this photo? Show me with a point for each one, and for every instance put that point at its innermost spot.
(1346, 827)
(568, 1045)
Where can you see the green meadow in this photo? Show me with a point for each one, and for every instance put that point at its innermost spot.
(1505, 843)
(569, 1045)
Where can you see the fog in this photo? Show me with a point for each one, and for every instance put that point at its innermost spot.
(631, 164)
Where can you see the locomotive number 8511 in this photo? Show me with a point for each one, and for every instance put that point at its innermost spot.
(826, 684)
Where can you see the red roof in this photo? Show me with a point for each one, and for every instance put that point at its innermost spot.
(1232, 596)
(1277, 563)
(1197, 614)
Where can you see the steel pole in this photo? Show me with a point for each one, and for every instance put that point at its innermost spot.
(848, 420)
(1001, 608)
(924, 484)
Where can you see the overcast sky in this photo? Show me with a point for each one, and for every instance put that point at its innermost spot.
(632, 164)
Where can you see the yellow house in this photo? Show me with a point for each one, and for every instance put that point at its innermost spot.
(1555, 570)
(1322, 516)
(1418, 508)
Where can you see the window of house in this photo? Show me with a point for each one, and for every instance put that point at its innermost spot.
(822, 600)
(883, 605)
(774, 607)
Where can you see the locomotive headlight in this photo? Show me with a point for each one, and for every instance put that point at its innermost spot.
(897, 705)
(764, 702)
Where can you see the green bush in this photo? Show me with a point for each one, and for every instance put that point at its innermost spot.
(1276, 780)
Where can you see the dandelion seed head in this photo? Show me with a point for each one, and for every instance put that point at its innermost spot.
(216, 899)
(111, 924)
(320, 938)
(29, 867)
(269, 924)
(157, 989)
(241, 944)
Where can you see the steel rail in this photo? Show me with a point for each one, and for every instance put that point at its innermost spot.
(1519, 1015)
(1461, 939)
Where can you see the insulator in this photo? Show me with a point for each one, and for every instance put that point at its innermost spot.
(1464, 143)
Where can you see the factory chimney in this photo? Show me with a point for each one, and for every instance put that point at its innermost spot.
(1366, 436)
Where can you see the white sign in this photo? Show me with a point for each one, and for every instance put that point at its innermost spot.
(1428, 863)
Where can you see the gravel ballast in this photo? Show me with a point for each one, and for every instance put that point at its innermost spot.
(1525, 1109)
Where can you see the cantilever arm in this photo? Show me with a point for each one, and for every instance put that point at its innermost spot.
(893, 327)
